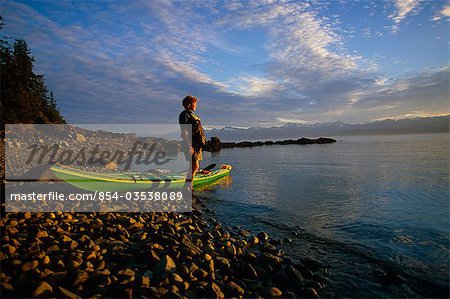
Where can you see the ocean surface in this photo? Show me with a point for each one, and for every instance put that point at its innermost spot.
(374, 210)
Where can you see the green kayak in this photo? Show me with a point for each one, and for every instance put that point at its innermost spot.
(133, 181)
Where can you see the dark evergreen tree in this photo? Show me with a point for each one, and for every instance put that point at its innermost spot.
(24, 95)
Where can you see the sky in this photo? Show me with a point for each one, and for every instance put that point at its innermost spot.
(250, 63)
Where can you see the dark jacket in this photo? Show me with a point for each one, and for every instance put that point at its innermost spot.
(198, 135)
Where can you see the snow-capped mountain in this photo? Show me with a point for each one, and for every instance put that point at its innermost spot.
(437, 124)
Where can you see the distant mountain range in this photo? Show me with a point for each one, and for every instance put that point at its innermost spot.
(438, 124)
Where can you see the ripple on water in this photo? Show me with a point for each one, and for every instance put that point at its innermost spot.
(366, 204)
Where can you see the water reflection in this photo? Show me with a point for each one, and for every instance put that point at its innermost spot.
(222, 183)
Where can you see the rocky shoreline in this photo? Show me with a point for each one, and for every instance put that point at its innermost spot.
(301, 141)
(191, 255)
(74, 139)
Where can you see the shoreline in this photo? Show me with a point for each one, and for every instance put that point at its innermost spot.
(301, 141)
(143, 254)
(147, 254)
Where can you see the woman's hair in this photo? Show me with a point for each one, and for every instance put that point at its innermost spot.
(189, 100)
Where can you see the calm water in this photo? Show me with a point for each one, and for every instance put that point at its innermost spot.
(362, 206)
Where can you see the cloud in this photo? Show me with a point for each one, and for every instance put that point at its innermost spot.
(186, 69)
(294, 121)
(306, 61)
(299, 41)
(112, 63)
(443, 13)
(116, 72)
(423, 94)
(446, 11)
(403, 8)
(249, 85)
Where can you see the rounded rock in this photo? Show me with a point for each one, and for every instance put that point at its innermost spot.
(263, 236)
(29, 265)
(275, 292)
(43, 289)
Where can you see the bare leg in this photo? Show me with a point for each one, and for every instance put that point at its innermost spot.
(195, 167)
